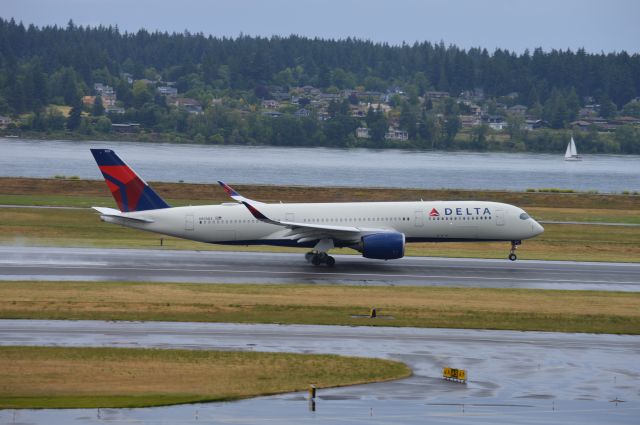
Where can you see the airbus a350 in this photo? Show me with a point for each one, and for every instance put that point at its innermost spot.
(378, 230)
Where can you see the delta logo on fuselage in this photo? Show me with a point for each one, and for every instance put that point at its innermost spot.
(460, 211)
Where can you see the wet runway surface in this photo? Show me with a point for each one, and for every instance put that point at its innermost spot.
(52, 263)
(523, 377)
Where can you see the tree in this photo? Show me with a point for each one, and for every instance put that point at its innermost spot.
(452, 126)
(608, 109)
(515, 126)
(379, 127)
(479, 137)
(408, 120)
(632, 109)
(142, 93)
(75, 115)
(98, 107)
(103, 125)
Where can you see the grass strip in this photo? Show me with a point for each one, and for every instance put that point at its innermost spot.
(429, 307)
(83, 228)
(56, 377)
(185, 193)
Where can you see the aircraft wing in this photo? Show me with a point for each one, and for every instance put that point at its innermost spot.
(305, 232)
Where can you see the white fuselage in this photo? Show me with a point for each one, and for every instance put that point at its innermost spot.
(437, 221)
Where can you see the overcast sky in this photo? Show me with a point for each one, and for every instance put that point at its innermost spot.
(596, 25)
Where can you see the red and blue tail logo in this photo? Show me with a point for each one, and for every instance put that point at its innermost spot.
(128, 189)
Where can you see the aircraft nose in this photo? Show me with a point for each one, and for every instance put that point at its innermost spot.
(536, 228)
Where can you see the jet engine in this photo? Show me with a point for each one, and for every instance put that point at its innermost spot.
(383, 246)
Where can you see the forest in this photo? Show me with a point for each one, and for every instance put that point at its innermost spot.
(46, 71)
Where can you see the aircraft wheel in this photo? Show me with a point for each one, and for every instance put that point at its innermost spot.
(513, 257)
(331, 261)
(308, 256)
(316, 260)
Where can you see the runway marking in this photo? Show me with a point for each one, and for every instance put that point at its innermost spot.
(342, 274)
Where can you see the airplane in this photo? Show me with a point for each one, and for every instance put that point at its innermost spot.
(378, 230)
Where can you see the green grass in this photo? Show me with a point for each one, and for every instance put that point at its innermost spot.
(83, 228)
(428, 307)
(56, 377)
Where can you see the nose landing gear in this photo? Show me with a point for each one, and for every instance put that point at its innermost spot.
(512, 253)
(317, 258)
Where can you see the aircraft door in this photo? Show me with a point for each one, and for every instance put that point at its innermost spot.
(188, 222)
(499, 217)
(419, 220)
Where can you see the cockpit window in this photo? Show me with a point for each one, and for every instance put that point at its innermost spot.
(524, 216)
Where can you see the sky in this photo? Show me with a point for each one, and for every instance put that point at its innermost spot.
(516, 25)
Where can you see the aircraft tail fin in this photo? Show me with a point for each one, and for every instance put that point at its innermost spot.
(129, 190)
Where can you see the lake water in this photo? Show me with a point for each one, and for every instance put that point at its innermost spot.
(326, 167)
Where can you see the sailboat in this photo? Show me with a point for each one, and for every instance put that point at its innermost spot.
(572, 153)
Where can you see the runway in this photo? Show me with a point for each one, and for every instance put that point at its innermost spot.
(53, 263)
(514, 377)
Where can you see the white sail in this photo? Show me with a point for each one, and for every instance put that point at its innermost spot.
(567, 154)
(572, 153)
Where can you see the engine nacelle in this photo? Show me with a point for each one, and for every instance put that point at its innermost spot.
(383, 246)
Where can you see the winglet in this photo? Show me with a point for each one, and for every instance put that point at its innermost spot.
(228, 189)
(235, 195)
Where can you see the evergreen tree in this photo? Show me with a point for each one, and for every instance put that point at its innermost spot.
(98, 107)
(75, 115)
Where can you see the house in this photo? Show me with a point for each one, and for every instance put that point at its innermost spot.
(382, 107)
(587, 112)
(302, 113)
(128, 77)
(329, 97)
(363, 133)
(436, 94)
(370, 96)
(518, 110)
(89, 100)
(270, 104)
(125, 128)
(627, 120)
(359, 112)
(468, 121)
(114, 110)
(496, 122)
(323, 115)
(190, 105)
(580, 125)
(535, 124)
(108, 99)
(167, 91)
(395, 134)
(103, 89)
(5, 121)
(272, 114)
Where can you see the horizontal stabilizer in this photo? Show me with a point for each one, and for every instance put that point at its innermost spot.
(110, 212)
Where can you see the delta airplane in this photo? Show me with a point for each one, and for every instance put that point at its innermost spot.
(378, 230)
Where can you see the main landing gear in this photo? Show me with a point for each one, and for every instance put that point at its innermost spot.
(317, 258)
(512, 253)
(319, 254)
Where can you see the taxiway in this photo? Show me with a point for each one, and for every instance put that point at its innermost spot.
(514, 377)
